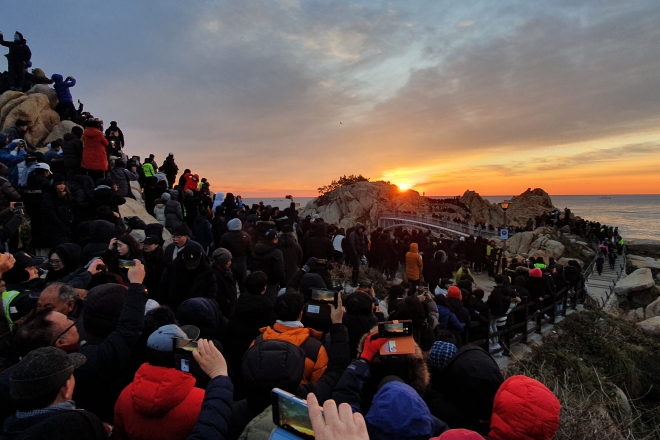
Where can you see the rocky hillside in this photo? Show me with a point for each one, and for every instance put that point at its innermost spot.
(37, 107)
(527, 205)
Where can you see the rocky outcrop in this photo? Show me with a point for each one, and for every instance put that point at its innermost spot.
(37, 108)
(59, 131)
(637, 289)
(534, 244)
(650, 326)
(523, 207)
(645, 248)
(653, 309)
(363, 202)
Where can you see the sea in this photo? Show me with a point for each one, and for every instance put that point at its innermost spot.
(637, 216)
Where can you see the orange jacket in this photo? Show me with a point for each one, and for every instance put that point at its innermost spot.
(317, 358)
(413, 263)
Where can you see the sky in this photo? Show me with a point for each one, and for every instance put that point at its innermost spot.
(275, 97)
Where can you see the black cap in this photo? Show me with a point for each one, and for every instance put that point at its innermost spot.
(191, 257)
(24, 260)
(271, 234)
(151, 239)
(43, 371)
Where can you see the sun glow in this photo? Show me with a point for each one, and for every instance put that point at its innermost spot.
(403, 186)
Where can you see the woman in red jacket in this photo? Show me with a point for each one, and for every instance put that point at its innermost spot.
(94, 155)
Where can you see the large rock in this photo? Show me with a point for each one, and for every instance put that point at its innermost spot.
(650, 326)
(59, 131)
(8, 107)
(523, 207)
(525, 242)
(564, 261)
(653, 309)
(134, 208)
(644, 262)
(363, 202)
(641, 279)
(42, 127)
(45, 90)
(647, 248)
(9, 96)
(554, 249)
(28, 110)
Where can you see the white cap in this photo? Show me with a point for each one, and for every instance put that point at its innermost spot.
(171, 154)
(42, 166)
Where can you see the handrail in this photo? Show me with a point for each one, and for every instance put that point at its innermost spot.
(454, 226)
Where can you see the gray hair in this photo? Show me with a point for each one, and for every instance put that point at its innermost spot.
(64, 291)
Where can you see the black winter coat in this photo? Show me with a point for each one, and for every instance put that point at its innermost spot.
(177, 283)
(292, 254)
(108, 197)
(238, 243)
(226, 289)
(58, 218)
(7, 194)
(358, 326)
(72, 148)
(267, 258)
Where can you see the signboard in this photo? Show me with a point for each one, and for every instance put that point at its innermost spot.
(504, 234)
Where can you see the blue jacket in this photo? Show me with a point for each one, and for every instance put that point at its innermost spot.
(447, 320)
(213, 421)
(62, 88)
(12, 162)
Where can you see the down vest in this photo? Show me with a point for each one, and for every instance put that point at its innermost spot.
(94, 156)
(413, 263)
(161, 403)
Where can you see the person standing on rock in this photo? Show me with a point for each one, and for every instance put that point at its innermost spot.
(65, 108)
(170, 169)
(17, 58)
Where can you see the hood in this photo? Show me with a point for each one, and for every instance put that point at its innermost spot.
(248, 306)
(57, 78)
(85, 182)
(200, 312)
(156, 390)
(69, 253)
(264, 247)
(318, 230)
(414, 247)
(524, 408)
(385, 418)
(4, 171)
(296, 336)
(101, 231)
(287, 239)
(441, 256)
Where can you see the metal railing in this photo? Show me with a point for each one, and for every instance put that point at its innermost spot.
(428, 220)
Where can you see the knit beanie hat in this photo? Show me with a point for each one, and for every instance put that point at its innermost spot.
(103, 306)
(221, 257)
(459, 434)
(536, 273)
(440, 354)
(234, 224)
(454, 292)
(165, 196)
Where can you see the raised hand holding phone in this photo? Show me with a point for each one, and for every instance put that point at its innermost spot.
(333, 423)
(210, 359)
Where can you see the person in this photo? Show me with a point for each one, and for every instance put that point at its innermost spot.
(106, 195)
(123, 247)
(180, 238)
(53, 152)
(11, 161)
(65, 108)
(42, 386)
(359, 318)
(253, 311)
(221, 262)
(57, 212)
(201, 229)
(334, 422)
(239, 243)
(114, 131)
(72, 152)
(600, 261)
(63, 259)
(17, 58)
(61, 298)
(188, 276)
(173, 213)
(170, 169)
(357, 249)
(413, 265)
(123, 178)
(318, 244)
(94, 158)
(8, 193)
(337, 245)
(17, 131)
(154, 257)
(161, 402)
(289, 311)
(291, 251)
(267, 258)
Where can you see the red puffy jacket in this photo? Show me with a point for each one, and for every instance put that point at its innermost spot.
(524, 409)
(160, 403)
(94, 156)
(192, 182)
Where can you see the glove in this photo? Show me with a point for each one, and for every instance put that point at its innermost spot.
(371, 346)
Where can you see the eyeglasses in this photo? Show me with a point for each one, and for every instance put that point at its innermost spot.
(74, 321)
(55, 262)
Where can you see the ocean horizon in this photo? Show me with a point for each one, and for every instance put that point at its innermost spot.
(636, 215)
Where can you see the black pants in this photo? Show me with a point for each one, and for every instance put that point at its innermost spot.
(67, 111)
(355, 263)
(240, 273)
(16, 71)
(96, 175)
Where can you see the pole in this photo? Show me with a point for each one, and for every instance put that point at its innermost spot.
(503, 247)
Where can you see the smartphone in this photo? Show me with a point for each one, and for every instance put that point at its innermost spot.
(126, 264)
(395, 329)
(291, 414)
(18, 205)
(325, 295)
(185, 365)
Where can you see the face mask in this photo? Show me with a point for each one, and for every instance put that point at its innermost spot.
(17, 38)
(70, 348)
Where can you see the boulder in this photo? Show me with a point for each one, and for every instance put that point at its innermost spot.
(622, 400)
(525, 242)
(137, 191)
(134, 208)
(42, 127)
(8, 107)
(649, 248)
(565, 229)
(650, 326)
(538, 253)
(45, 90)
(639, 314)
(9, 96)
(540, 242)
(641, 279)
(644, 262)
(564, 261)
(653, 309)
(554, 249)
(59, 131)
(28, 110)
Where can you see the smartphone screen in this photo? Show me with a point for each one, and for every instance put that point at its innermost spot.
(291, 413)
(324, 295)
(126, 264)
(393, 330)
(185, 365)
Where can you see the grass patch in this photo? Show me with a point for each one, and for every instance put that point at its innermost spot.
(342, 274)
(584, 362)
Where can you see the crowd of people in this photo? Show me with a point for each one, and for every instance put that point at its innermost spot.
(98, 311)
